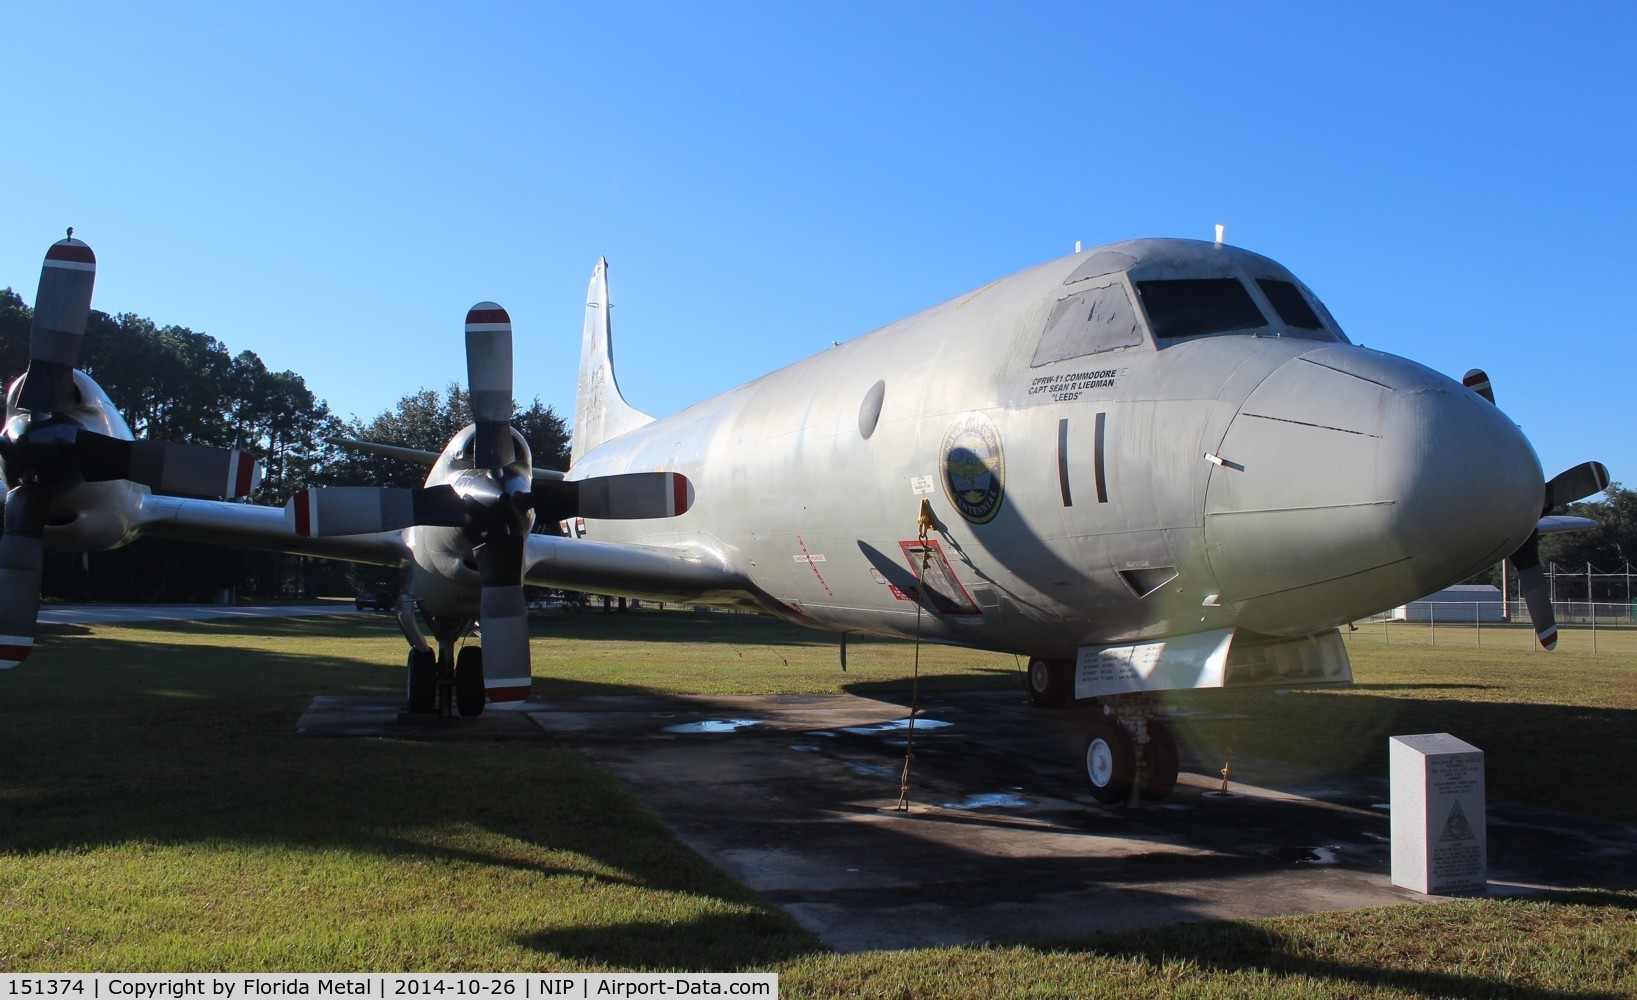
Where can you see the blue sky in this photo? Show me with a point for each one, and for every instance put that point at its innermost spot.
(332, 186)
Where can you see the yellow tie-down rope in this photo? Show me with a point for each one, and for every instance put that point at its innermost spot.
(924, 522)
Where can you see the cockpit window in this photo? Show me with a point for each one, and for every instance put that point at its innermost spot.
(1191, 307)
(1093, 321)
(1288, 302)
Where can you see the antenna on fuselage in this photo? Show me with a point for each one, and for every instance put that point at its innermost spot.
(1221, 231)
(1076, 246)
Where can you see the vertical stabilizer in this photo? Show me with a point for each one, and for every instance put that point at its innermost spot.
(601, 412)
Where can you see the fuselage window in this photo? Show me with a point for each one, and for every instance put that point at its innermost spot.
(1193, 307)
(1090, 322)
(1288, 302)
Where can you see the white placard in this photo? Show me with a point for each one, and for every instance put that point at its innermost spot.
(1438, 826)
(1187, 661)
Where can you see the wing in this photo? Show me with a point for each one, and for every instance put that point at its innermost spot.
(255, 527)
(646, 572)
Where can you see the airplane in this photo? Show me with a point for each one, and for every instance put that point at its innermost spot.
(1150, 466)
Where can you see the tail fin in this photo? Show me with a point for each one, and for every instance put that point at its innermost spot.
(601, 412)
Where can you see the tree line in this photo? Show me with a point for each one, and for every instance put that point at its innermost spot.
(171, 383)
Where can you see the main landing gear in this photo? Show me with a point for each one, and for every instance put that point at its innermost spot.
(1050, 683)
(443, 682)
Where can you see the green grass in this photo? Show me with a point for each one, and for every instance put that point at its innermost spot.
(1556, 728)
(157, 812)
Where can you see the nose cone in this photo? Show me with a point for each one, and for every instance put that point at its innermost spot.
(1355, 481)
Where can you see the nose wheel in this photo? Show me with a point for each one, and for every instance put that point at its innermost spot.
(469, 692)
(441, 682)
(423, 681)
(1110, 763)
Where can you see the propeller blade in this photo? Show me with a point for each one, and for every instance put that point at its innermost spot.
(505, 618)
(628, 497)
(21, 556)
(364, 510)
(1532, 584)
(1478, 381)
(61, 307)
(1577, 483)
(194, 469)
(489, 383)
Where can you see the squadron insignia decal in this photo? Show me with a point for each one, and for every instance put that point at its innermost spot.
(974, 468)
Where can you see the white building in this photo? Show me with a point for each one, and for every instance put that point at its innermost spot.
(1465, 603)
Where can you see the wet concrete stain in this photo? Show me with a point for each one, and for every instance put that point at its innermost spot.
(1001, 842)
(712, 726)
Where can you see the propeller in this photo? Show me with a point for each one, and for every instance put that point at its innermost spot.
(1576, 483)
(48, 452)
(1566, 487)
(494, 503)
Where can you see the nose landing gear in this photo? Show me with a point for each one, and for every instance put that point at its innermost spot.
(440, 682)
(1130, 750)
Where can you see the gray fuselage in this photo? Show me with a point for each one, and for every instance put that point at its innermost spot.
(1150, 439)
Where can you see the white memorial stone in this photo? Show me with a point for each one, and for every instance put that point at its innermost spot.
(1438, 828)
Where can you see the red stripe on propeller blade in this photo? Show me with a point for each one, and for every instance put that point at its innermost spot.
(244, 478)
(679, 493)
(520, 693)
(488, 316)
(73, 252)
(304, 522)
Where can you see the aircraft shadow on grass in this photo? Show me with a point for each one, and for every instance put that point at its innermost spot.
(1246, 948)
(175, 743)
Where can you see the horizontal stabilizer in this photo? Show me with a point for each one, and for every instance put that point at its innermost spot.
(415, 455)
(1555, 523)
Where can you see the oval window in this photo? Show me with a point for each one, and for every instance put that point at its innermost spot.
(869, 412)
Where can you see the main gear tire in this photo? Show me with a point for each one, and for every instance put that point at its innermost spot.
(470, 695)
(422, 683)
(1050, 683)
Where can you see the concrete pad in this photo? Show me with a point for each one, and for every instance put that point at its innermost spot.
(796, 796)
(366, 715)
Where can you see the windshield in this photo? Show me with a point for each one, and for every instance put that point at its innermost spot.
(1193, 307)
(1287, 301)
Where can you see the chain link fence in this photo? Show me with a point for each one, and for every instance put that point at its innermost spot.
(1585, 627)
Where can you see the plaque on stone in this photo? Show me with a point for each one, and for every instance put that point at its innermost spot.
(1439, 843)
